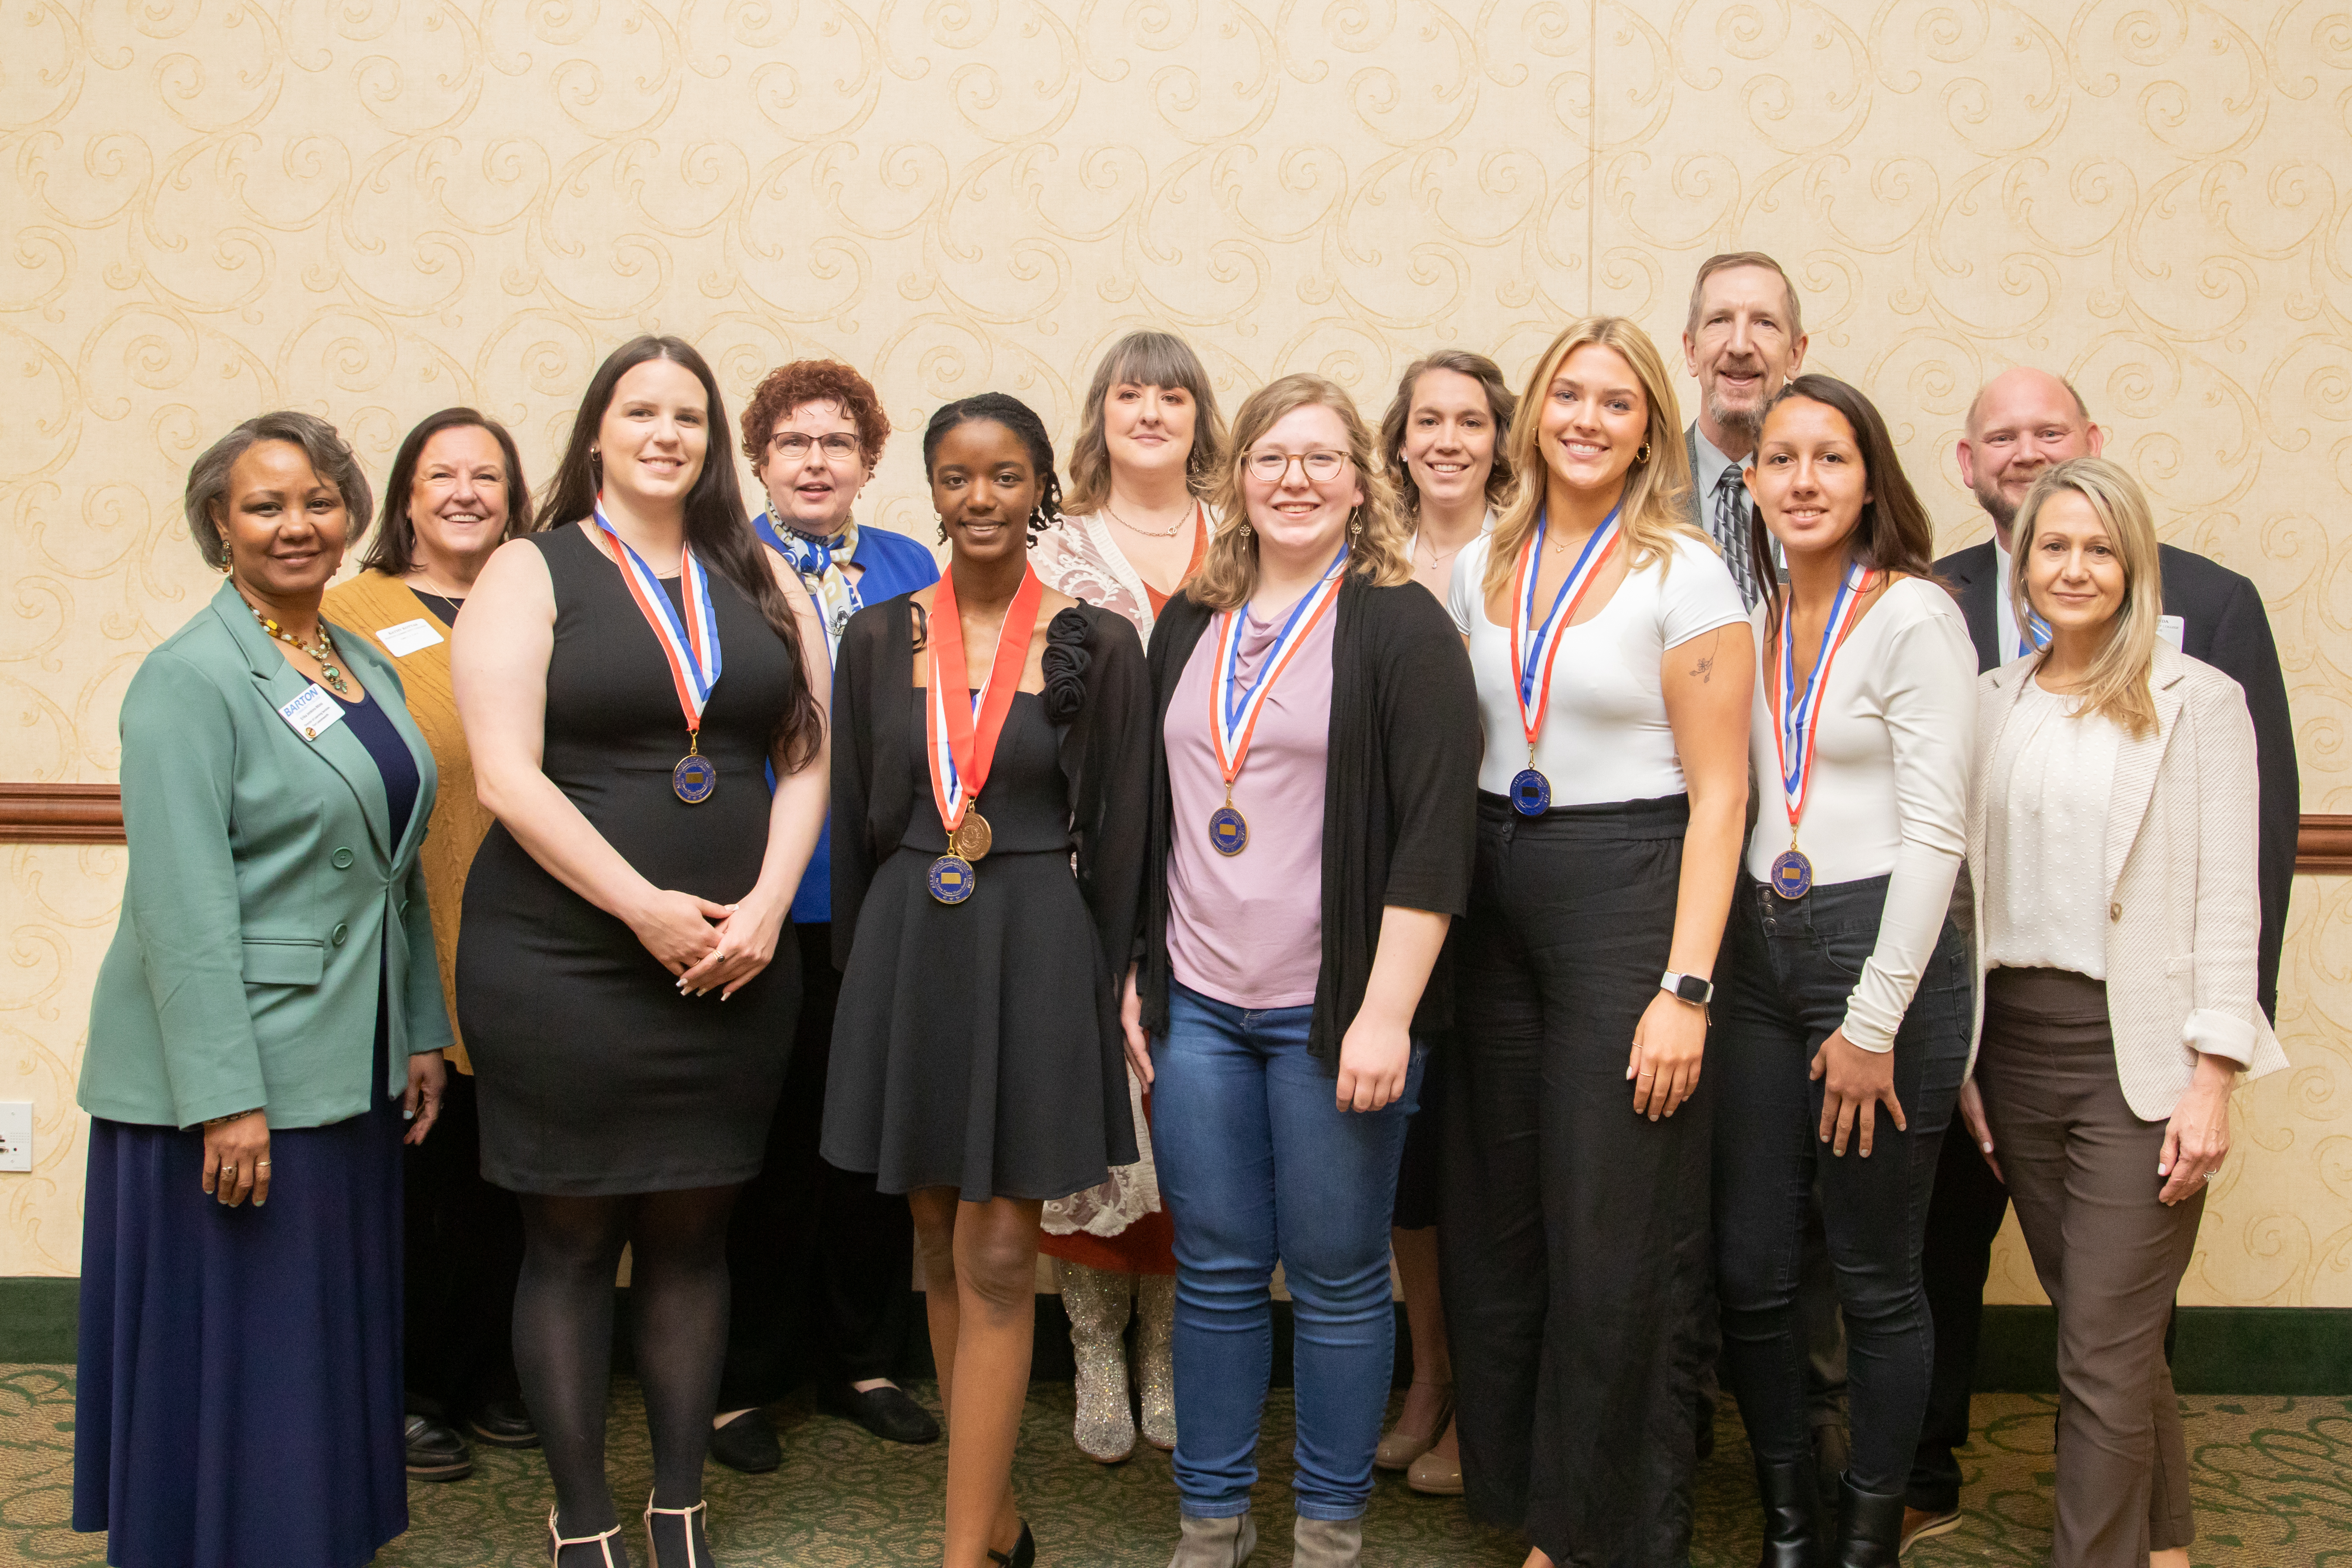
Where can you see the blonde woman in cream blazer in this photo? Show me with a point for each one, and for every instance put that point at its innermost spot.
(2112, 829)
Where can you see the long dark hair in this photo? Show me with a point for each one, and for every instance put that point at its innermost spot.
(716, 527)
(395, 550)
(1893, 534)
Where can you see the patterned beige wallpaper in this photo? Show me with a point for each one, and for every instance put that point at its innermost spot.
(373, 209)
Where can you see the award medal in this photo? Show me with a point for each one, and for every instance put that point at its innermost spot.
(1533, 650)
(689, 642)
(961, 729)
(1233, 712)
(1798, 719)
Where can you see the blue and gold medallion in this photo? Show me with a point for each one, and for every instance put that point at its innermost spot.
(694, 778)
(1530, 792)
(1228, 830)
(1793, 874)
(951, 879)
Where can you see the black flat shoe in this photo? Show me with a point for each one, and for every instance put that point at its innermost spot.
(747, 1444)
(504, 1423)
(1023, 1553)
(889, 1412)
(436, 1453)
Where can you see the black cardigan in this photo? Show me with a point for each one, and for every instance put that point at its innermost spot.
(1400, 794)
(1104, 756)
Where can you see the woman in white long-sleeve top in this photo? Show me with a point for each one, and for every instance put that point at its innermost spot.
(2112, 835)
(1842, 1029)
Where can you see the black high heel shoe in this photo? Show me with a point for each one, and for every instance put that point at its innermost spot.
(1023, 1553)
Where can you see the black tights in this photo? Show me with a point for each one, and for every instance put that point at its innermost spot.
(564, 1335)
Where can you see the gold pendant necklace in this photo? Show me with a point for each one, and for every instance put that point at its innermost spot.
(328, 659)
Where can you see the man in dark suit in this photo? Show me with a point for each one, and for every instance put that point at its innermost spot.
(1744, 339)
(2022, 423)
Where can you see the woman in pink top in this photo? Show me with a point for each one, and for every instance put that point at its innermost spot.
(1312, 817)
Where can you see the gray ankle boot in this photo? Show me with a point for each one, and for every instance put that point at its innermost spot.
(1327, 1542)
(1215, 1542)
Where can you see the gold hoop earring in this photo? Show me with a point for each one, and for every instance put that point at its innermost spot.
(1644, 455)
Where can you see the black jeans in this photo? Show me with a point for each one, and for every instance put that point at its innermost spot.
(1963, 1219)
(820, 1263)
(1793, 964)
(1572, 1233)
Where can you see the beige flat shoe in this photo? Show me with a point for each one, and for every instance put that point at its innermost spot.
(1398, 1448)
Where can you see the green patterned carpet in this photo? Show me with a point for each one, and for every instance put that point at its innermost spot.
(2273, 1490)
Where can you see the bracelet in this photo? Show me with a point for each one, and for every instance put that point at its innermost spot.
(232, 1116)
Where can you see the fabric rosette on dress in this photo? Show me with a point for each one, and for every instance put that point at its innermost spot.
(1131, 1191)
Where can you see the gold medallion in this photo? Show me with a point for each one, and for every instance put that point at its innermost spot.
(971, 838)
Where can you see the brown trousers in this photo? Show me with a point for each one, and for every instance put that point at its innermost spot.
(2081, 1170)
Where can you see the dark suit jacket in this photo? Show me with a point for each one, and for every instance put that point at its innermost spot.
(2224, 624)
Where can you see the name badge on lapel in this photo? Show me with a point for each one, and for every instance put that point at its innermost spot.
(313, 713)
(409, 637)
(2172, 629)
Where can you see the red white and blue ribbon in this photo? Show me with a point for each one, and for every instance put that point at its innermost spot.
(1234, 710)
(1534, 649)
(1798, 719)
(962, 732)
(689, 641)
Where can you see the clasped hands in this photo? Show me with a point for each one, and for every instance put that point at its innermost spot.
(708, 946)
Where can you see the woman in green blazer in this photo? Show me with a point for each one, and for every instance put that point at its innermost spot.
(266, 1019)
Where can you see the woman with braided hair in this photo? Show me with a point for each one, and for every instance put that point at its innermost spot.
(990, 781)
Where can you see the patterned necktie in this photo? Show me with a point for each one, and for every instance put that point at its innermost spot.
(1730, 524)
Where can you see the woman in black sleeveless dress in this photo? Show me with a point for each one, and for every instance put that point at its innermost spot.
(977, 1058)
(620, 980)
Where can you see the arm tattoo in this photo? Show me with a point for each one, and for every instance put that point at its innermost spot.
(1704, 668)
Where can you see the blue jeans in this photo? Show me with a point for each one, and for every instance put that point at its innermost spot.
(1256, 1163)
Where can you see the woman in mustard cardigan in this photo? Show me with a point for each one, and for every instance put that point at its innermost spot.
(266, 1016)
(456, 494)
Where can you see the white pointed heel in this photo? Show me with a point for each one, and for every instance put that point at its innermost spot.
(602, 1540)
(693, 1559)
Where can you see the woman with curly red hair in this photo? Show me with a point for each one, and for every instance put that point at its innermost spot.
(818, 1258)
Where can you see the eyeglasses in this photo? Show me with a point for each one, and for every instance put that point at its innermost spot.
(1273, 468)
(792, 446)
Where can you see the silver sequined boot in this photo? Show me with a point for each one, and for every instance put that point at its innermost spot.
(1097, 1301)
(1155, 1368)
(1327, 1542)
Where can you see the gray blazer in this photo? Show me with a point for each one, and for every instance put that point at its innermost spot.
(2183, 917)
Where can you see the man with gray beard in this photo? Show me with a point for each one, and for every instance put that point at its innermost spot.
(1744, 339)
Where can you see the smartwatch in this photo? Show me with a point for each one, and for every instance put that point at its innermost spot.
(1691, 988)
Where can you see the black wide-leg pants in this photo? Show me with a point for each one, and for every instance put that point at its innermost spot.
(1572, 1233)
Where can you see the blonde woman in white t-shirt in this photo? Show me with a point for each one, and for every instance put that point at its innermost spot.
(1572, 1207)
(1841, 1032)
(2112, 836)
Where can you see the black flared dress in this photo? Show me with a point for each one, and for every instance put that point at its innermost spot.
(595, 1076)
(977, 1045)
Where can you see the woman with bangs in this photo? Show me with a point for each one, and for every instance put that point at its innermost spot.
(2112, 829)
(1613, 665)
(1310, 837)
(1135, 527)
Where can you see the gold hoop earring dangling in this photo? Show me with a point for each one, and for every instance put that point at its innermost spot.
(1356, 523)
(1644, 455)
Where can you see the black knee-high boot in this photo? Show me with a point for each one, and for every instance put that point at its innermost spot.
(1870, 1528)
(1792, 1534)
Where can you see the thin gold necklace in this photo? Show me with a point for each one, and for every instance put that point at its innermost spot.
(1150, 533)
(328, 658)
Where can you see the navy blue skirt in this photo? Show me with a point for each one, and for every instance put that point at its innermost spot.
(240, 1397)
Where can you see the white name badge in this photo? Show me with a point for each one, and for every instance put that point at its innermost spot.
(313, 713)
(2171, 628)
(409, 637)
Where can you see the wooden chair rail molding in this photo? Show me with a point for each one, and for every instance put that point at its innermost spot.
(93, 813)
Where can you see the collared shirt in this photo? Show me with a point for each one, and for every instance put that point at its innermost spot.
(1711, 464)
(2004, 606)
